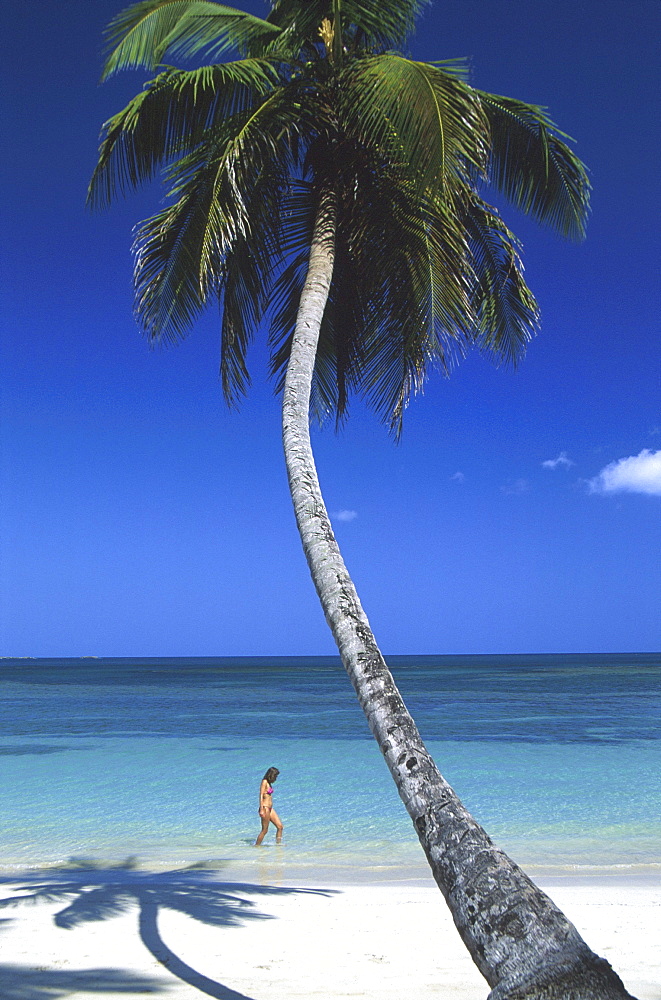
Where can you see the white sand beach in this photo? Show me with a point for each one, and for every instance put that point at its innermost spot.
(378, 942)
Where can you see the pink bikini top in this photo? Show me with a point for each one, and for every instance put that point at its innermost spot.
(269, 790)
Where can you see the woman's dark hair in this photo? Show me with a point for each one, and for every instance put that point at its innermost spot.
(271, 774)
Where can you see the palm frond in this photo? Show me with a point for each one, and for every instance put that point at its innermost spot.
(143, 34)
(381, 24)
(259, 153)
(222, 235)
(417, 115)
(507, 313)
(250, 268)
(535, 169)
(400, 297)
(167, 249)
(170, 117)
(242, 307)
(413, 262)
(421, 312)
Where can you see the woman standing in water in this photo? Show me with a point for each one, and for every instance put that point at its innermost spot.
(266, 811)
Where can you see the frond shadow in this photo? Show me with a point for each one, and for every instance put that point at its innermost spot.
(94, 893)
(19, 982)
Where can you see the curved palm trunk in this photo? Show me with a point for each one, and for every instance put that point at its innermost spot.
(520, 941)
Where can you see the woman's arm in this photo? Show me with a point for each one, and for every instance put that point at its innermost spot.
(263, 796)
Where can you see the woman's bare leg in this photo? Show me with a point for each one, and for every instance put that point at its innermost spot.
(275, 819)
(266, 818)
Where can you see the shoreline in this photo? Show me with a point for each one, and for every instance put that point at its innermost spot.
(203, 933)
(269, 866)
(272, 871)
(272, 864)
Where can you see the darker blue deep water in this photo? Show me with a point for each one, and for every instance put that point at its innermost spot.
(531, 699)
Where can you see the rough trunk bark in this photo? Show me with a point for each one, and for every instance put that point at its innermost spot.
(520, 941)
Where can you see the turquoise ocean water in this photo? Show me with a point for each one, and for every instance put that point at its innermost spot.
(160, 760)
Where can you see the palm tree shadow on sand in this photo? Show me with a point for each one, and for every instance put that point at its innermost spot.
(95, 893)
(20, 983)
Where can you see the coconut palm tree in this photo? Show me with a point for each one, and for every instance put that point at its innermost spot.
(330, 183)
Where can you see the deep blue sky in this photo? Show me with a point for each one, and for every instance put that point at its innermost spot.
(141, 518)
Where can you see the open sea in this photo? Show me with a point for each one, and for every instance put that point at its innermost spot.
(160, 760)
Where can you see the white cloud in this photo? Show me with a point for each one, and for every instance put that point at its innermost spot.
(345, 515)
(562, 461)
(458, 477)
(515, 487)
(636, 474)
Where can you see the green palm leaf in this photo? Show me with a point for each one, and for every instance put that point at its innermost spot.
(534, 168)
(412, 263)
(404, 342)
(250, 269)
(399, 299)
(144, 33)
(416, 115)
(223, 235)
(259, 155)
(167, 248)
(375, 24)
(245, 293)
(382, 23)
(507, 313)
(170, 117)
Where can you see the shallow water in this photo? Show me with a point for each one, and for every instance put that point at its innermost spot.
(559, 757)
